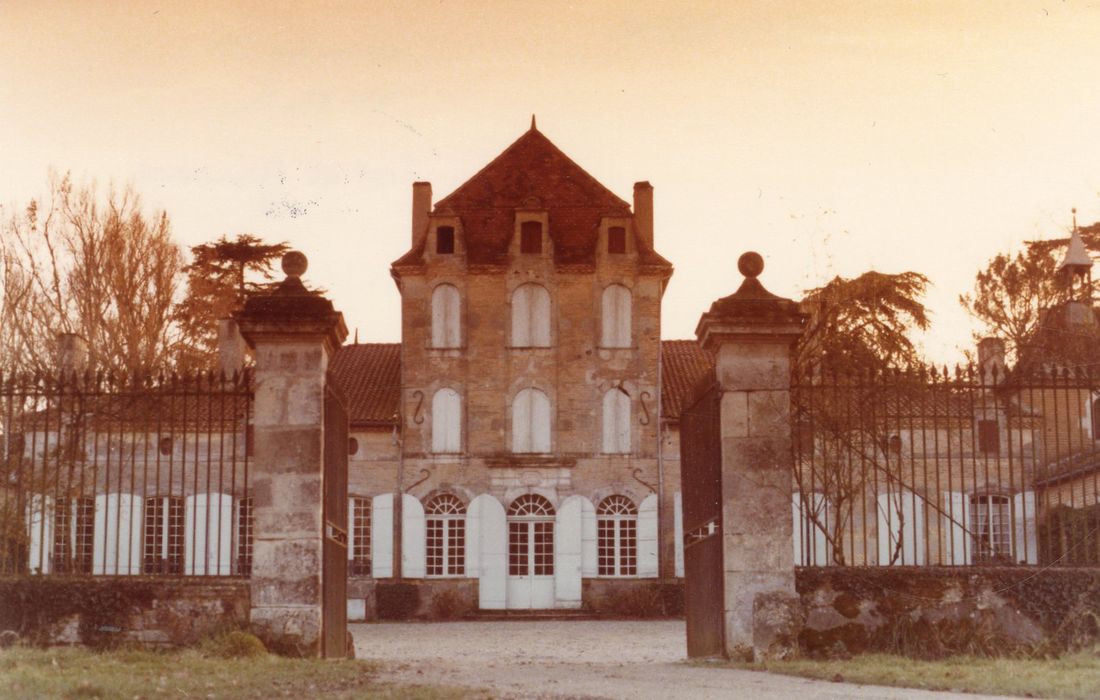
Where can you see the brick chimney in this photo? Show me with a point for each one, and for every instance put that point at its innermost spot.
(421, 208)
(231, 347)
(991, 354)
(643, 211)
(72, 353)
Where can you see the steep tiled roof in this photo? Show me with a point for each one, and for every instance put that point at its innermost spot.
(684, 364)
(532, 173)
(370, 376)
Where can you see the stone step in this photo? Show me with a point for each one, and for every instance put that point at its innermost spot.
(528, 615)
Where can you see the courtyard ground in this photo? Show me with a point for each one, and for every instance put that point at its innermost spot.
(597, 659)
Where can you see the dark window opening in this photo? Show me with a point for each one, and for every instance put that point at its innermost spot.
(989, 439)
(530, 237)
(616, 240)
(353, 446)
(445, 240)
(165, 446)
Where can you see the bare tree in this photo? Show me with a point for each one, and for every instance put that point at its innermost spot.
(96, 267)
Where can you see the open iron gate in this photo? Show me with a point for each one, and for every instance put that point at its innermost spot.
(701, 475)
(334, 572)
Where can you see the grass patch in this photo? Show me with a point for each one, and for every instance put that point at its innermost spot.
(1072, 676)
(81, 674)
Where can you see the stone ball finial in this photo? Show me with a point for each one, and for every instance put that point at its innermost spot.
(750, 264)
(295, 263)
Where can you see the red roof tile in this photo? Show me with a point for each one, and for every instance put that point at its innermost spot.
(533, 173)
(370, 376)
(684, 365)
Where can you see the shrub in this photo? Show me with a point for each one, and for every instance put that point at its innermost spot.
(449, 604)
(396, 601)
(233, 644)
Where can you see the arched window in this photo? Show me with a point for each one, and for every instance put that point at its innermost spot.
(531, 536)
(530, 316)
(446, 536)
(617, 536)
(446, 422)
(359, 562)
(616, 421)
(446, 325)
(531, 422)
(616, 312)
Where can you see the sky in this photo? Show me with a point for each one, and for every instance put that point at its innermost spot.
(831, 137)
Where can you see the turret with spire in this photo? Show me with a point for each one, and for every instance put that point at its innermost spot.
(1077, 265)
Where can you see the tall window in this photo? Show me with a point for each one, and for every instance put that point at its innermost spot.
(530, 237)
(1096, 418)
(446, 422)
(531, 422)
(446, 536)
(616, 312)
(163, 535)
(531, 537)
(245, 527)
(360, 515)
(616, 421)
(990, 527)
(530, 316)
(616, 240)
(446, 323)
(445, 240)
(617, 536)
(73, 537)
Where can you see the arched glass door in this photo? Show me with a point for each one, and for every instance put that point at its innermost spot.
(531, 553)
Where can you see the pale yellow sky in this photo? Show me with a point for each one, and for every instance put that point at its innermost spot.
(832, 137)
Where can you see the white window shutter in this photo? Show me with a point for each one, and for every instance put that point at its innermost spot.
(207, 535)
(351, 528)
(647, 537)
(413, 537)
(616, 422)
(521, 421)
(521, 316)
(616, 317)
(40, 521)
(956, 525)
(492, 553)
(540, 421)
(446, 326)
(1027, 546)
(568, 552)
(900, 516)
(446, 421)
(381, 536)
(539, 323)
(473, 534)
(678, 532)
(810, 538)
(589, 558)
(799, 526)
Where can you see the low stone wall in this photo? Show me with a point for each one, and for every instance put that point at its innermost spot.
(99, 611)
(633, 598)
(930, 612)
(408, 599)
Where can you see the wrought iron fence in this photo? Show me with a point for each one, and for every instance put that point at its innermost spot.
(105, 475)
(931, 467)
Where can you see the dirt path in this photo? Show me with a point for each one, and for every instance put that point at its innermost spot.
(589, 659)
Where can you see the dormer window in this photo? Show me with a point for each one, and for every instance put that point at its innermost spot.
(445, 240)
(616, 240)
(530, 238)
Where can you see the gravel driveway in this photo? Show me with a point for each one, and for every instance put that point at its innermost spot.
(586, 659)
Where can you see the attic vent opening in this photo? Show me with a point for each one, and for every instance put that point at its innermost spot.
(616, 240)
(445, 240)
(530, 238)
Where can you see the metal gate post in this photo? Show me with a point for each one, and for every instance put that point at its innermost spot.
(751, 333)
(293, 334)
